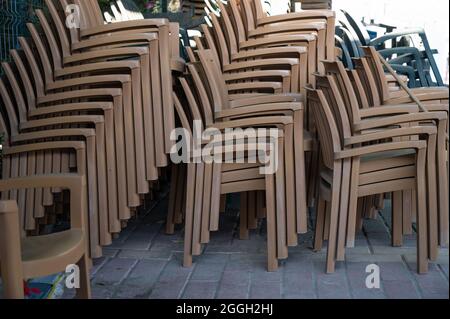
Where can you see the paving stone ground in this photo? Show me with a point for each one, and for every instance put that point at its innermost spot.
(144, 262)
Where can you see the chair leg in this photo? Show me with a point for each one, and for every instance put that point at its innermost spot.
(272, 261)
(343, 210)
(422, 252)
(170, 225)
(223, 203)
(190, 193)
(443, 185)
(84, 292)
(10, 255)
(326, 230)
(320, 221)
(334, 212)
(198, 204)
(407, 212)
(251, 210)
(433, 218)
(243, 217)
(352, 204)
(397, 218)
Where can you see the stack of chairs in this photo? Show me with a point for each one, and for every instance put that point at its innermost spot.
(400, 47)
(98, 106)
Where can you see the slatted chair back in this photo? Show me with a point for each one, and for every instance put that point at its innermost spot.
(326, 126)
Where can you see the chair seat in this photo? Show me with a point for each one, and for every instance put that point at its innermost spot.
(51, 252)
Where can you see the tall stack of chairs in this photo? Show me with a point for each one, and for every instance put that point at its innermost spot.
(92, 106)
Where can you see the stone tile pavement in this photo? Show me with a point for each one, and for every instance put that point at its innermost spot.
(145, 263)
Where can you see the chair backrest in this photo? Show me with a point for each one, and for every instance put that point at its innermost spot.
(34, 68)
(220, 40)
(377, 71)
(202, 93)
(336, 70)
(359, 89)
(69, 33)
(326, 126)
(50, 40)
(358, 28)
(327, 84)
(231, 28)
(8, 110)
(214, 76)
(238, 19)
(368, 81)
(5, 125)
(16, 91)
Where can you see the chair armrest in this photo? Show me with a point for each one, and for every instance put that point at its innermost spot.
(272, 98)
(123, 39)
(260, 52)
(69, 107)
(124, 25)
(377, 148)
(68, 132)
(399, 119)
(93, 67)
(388, 110)
(68, 95)
(254, 86)
(11, 150)
(61, 120)
(261, 42)
(110, 53)
(261, 108)
(96, 79)
(401, 98)
(290, 17)
(278, 121)
(289, 27)
(70, 181)
(390, 133)
(247, 75)
(74, 182)
(235, 66)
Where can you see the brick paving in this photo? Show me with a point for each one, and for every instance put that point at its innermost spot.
(146, 263)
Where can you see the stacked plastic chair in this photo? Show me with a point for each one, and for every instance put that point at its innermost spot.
(398, 47)
(98, 106)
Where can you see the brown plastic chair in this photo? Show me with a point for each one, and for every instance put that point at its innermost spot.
(94, 27)
(316, 26)
(145, 103)
(289, 43)
(50, 89)
(427, 103)
(118, 46)
(260, 59)
(295, 148)
(94, 139)
(333, 86)
(335, 182)
(30, 257)
(435, 94)
(261, 20)
(215, 179)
